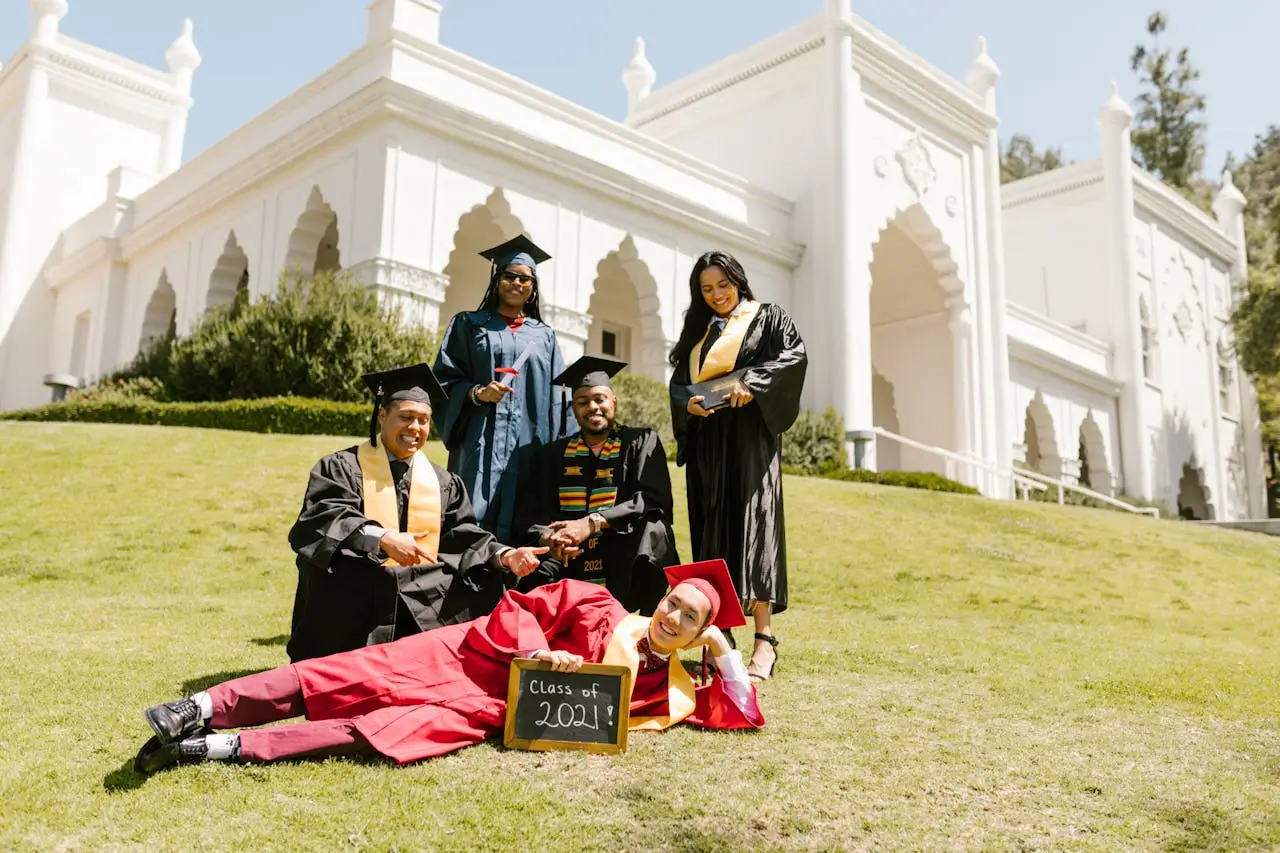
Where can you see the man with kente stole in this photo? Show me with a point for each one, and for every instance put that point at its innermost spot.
(601, 499)
(386, 540)
(439, 691)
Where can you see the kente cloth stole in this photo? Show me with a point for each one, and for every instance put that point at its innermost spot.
(425, 512)
(623, 651)
(581, 493)
(724, 352)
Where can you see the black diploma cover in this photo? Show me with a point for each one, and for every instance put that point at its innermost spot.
(715, 392)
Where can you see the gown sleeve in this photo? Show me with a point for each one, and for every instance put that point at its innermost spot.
(455, 369)
(464, 545)
(729, 701)
(568, 615)
(777, 382)
(332, 513)
(647, 485)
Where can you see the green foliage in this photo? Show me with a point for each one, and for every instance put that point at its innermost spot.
(1019, 159)
(815, 443)
(294, 415)
(645, 402)
(313, 338)
(1168, 133)
(905, 479)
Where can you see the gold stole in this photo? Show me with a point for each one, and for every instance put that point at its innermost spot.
(724, 352)
(425, 516)
(680, 691)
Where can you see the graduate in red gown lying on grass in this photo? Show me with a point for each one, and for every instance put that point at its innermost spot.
(444, 689)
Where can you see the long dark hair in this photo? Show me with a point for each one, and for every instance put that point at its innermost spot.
(490, 301)
(698, 314)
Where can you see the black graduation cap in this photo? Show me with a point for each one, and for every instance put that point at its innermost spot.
(588, 372)
(516, 250)
(416, 383)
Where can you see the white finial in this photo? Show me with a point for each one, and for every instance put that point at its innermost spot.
(839, 10)
(1115, 108)
(182, 56)
(638, 77)
(47, 14)
(983, 72)
(1229, 196)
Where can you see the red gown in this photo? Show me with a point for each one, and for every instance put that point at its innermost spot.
(439, 691)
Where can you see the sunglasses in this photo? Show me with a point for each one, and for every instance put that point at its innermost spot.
(517, 278)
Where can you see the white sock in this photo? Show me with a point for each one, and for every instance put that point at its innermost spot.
(206, 705)
(222, 746)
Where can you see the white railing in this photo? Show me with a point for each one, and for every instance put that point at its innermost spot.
(1021, 484)
(1023, 480)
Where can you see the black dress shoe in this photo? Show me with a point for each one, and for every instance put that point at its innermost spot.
(156, 755)
(174, 720)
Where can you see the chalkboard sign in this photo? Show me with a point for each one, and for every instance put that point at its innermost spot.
(586, 710)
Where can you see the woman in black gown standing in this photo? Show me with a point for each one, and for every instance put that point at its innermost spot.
(732, 452)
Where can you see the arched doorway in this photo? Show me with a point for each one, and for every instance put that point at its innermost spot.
(885, 416)
(624, 309)
(160, 319)
(230, 279)
(913, 345)
(1193, 497)
(1095, 471)
(483, 227)
(313, 245)
(1041, 438)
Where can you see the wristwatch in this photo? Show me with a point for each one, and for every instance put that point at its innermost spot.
(596, 520)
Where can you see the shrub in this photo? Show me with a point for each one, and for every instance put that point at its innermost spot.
(905, 479)
(815, 443)
(313, 338)
(644, 402)
(296, 415)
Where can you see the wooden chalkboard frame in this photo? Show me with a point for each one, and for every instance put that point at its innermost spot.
(509, 739)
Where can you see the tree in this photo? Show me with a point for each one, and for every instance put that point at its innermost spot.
(313, 338)
(1019, 159)
(1168, 133)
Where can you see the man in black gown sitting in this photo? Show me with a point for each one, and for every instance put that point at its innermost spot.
(601, 499)
(386, 540)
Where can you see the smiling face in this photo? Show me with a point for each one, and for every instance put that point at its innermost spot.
(404, 426)
(678, 619)
(720, 294)
(515, 286)
(594, 409)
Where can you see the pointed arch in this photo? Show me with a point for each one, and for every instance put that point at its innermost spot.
(160, 319)
(482, 227)
(1041, 438)
(626, 322)
(884, 414)
(1194, 499)
(230, 277)
(1095, 468)
(313, 245)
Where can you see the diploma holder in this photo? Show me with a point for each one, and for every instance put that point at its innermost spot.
(715, 392)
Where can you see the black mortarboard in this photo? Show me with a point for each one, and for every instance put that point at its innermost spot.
(588, 372)
(518, 250)
(416, 383)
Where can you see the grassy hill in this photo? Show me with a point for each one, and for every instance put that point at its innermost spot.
(956, 673)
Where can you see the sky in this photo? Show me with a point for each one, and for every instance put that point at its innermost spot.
(1055, 70)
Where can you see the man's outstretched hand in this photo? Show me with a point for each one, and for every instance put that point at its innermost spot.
(521, 561)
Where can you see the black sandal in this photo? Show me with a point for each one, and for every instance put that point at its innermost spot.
(773, 641)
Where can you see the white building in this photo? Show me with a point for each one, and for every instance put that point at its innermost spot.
(859, 186)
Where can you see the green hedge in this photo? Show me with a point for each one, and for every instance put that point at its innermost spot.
(905, 479)
(294, 415)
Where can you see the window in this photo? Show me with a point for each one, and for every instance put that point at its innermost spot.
(609, 344)
(1226, 377)
(1148, 339)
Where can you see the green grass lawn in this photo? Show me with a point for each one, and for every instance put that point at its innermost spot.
(956, 673)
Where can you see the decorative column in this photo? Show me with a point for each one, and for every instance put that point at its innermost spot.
(960, 322)
(1115, 120)
(848, 269)
(183, 59)
(417, 19)
(994, 441)
(1229, 207)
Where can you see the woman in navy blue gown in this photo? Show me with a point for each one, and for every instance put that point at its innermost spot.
(496, 364)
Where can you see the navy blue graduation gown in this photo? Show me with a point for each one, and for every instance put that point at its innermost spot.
(492, 447)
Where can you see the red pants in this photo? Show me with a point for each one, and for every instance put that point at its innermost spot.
(267, 697)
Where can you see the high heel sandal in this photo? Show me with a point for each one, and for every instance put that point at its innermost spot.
(773, 641)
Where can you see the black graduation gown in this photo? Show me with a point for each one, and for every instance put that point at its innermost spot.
(639, 542)
(346, 599)
(733, 459)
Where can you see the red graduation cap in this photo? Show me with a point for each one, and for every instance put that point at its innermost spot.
(711, 578)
